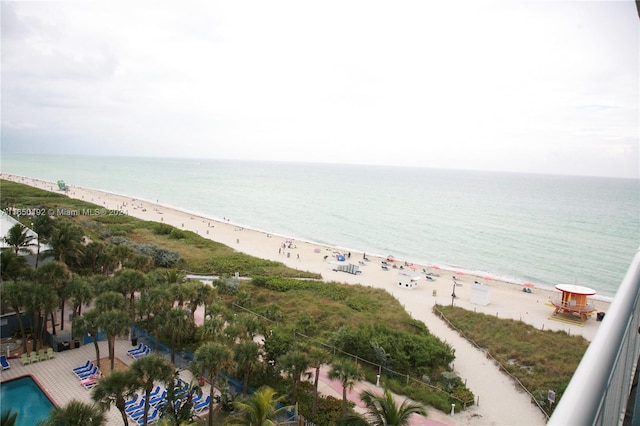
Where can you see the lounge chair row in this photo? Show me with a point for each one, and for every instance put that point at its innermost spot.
(88, 374)
(157, 400)
(41, 355)
(139, 351)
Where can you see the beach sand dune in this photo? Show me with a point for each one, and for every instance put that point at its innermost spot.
(500, 402)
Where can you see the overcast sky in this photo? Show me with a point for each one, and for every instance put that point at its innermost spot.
(542, 86)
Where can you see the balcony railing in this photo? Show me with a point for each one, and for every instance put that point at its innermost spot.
(600, 390)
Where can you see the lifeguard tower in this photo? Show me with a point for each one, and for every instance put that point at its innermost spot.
(573, 300)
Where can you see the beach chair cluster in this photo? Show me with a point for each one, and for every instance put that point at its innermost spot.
(41, 355)
(134, 408)
(139, 351)
(4, 362)
(88, 374)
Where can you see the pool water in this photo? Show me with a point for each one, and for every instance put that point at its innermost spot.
(25, 397)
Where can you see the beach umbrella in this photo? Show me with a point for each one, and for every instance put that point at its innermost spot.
(528, 284)
(487, 277)
(459, 273)
(391, 258)
(435, 267)
(413, 267)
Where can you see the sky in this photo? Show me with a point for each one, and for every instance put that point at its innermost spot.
(527, 86)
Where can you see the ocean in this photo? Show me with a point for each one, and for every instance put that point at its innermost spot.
(546, 229)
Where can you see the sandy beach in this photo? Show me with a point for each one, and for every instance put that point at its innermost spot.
(500, 401)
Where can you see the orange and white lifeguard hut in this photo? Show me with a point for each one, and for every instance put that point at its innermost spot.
(573, 300)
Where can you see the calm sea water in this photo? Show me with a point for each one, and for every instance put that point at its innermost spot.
(540, 228)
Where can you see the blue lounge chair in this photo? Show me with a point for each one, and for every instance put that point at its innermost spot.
(200, 406)
(136, 349)
(135, 407)
(152, 418)
(86, 374)
(87, 365)
(155, 392)
(4, 362)
(141, 354)
(157, 399)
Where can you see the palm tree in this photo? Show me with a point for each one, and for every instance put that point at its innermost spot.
(56, 275)
(75, 413)
(12, 266)
(208, 361)
(317, 357)
(110, 300)
(88, 324)
(66, 242)
(383, 409)
(128, 282)
(177, 324)
(41, 302)
(294, 364)
(115, 389)
(348, 374)
(113, 322)
(121, 253)
(43, 227)
(19, 239)
(16, 295)
(199, 294)
(152, 303)
(246, 355)
(146, 371)
(81, 293)
(259, 409)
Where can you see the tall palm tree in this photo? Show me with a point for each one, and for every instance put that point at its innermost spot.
(66, 242)
(43, 225)
(16, 295)
(58, 276)
(383, 410)
(115, 389)
(177, 324)
(19, 239)
(294, 364)
(89, 323)
(80, 292)
(42, 300)
(146, 371)
(208, 361)
(75, 413)
(246, 355)
(114, 323)
(259, 409)
(317, 357)
(128, 282)
(12, 266)
(152, 303)
(348, 374)
(110, 300)
(199, 294)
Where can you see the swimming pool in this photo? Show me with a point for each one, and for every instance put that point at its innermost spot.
(25, 396)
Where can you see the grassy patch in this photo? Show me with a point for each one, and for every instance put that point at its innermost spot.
(540, 360)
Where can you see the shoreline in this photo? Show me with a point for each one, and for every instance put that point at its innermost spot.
(500, 401)
(41, 183)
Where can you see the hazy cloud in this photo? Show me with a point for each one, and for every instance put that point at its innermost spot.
(533, 86)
